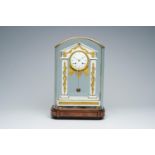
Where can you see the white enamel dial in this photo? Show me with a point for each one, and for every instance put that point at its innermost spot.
(79, 60)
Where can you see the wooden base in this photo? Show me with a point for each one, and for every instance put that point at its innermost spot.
(77, 113)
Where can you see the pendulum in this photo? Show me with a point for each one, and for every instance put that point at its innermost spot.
(78, 88)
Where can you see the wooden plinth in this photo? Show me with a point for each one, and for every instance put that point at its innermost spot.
(77, 113)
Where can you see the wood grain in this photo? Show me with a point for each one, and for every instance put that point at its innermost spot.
(77, 113)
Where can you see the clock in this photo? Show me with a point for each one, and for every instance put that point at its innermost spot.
(79, 61)
(79, 67)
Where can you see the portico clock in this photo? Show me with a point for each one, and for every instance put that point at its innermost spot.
(79, 67)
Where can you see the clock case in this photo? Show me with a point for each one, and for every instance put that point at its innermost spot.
(88, 102)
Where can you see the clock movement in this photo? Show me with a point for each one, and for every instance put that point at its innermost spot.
(79, 68)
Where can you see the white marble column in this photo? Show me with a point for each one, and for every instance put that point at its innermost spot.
(92, 79)
(64, 81)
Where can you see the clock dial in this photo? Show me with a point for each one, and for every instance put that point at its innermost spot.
(79, 60)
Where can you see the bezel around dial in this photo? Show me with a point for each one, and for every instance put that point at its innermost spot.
(73, 67)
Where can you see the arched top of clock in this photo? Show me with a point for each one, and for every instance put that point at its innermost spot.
(81, 37)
